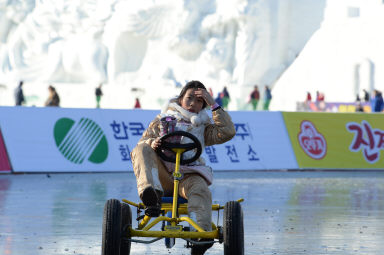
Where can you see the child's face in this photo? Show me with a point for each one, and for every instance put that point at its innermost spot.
(191, 102)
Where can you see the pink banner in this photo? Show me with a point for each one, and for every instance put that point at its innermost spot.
(5, 166)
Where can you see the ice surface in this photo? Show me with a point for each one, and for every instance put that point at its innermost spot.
(284, 212)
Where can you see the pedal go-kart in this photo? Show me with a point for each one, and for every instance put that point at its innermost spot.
(118, 232)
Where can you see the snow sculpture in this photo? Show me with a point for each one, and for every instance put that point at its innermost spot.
(54, 42)
(341, 58)
(233, 43)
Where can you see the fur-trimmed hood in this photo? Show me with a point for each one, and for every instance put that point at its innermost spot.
(190, 122)
(173, 108)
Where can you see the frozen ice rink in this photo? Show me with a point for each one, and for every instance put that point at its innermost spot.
(284, 212)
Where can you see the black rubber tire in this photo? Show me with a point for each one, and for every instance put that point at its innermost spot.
(111, 228)
(233, 229)
(126, 224)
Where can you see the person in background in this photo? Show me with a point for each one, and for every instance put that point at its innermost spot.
(53, 98)
(19, 94)
(377, 103)
(359, 107)
(320, 103)
(137, 104)
(320, 97)
(218, 99)
(267, 97)
(226, 98)
(372, 100)
(366, 95)
(309, 97)
(99, 94)
(255, 97)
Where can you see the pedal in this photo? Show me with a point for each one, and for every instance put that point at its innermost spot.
(153, 211)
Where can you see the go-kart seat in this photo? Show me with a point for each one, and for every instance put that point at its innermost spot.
(180, 200)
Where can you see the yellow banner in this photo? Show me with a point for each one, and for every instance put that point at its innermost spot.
(336, 140)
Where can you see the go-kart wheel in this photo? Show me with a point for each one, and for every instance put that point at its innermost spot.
(111, 228)
(233, 229)
(168, 146)
(126, 223)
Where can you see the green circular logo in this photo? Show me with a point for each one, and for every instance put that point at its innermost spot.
(81, 140)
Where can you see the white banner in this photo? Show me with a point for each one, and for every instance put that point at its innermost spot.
(261, 143)
(80, 140)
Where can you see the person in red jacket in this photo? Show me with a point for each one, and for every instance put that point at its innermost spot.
(137, 104)
(255, 97)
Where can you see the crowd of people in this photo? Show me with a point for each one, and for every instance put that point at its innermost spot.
(319, 103)
(223, 97)
(54, 98)
(375, 101)
(363, 103)
(257, 99)
(254, 97)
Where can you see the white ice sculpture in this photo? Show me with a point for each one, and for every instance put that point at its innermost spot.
(154, 43)
(340, 60)
(55, 42)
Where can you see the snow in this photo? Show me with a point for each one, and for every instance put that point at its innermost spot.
(155, 46)
(343, 57)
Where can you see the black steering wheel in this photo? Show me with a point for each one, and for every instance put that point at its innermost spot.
(168, 146)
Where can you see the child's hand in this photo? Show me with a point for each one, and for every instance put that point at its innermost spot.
(156, 144)
(205, 95)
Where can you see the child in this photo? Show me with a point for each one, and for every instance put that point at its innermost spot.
(154, 176)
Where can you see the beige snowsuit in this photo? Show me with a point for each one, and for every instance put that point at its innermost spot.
(151, 171)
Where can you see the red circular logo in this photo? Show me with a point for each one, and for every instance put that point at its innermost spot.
(311, 141)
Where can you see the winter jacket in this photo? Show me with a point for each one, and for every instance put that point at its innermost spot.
(220, 131)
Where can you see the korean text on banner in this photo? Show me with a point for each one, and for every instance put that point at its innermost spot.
(83, 140)
(260, 143)
(336, 140)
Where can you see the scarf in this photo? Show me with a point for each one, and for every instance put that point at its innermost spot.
(198, 121)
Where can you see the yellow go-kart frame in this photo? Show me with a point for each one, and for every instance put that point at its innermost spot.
(117, 221)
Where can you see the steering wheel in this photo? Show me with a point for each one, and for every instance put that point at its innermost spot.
(168, 146)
